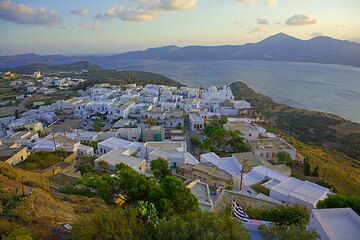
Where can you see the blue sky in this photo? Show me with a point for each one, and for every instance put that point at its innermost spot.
(114, 26)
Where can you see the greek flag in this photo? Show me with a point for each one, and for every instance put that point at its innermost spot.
(239, 212)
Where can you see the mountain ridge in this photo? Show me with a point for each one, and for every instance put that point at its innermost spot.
(278, 47)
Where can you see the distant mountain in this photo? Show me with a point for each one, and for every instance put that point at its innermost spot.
(280, 47)
(30, 68)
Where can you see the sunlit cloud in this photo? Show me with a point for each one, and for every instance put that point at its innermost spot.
(147, 10)
(271, 2)
(22, 14)
(301, 19)
(90, 27)
(82, 11)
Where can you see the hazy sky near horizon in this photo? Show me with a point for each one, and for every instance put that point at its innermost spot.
(114, 26)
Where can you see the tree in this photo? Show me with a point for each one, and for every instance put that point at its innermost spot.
(284, 157)
(160, 169)
(176, 198)
(179, 127)
(307, 167)
(151, 122)
(97, 125)
(113, 223)
(315, 173)
(104, 166)
(284, 232)
(196, 226)
(341, 201)
(195, 140)
(86, 168)
(206, 145)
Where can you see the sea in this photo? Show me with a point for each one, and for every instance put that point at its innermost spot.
(312, 86)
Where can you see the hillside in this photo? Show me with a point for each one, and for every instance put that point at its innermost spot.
(279, 47)
(45, 68)
(38, 212)
(329, 140)
(95, 74)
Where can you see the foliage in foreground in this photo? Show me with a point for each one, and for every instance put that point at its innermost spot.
(284, 232)
(285, 215)
(341, 201)
(168, 194)
(130, 224)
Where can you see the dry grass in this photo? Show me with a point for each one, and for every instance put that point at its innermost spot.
(41, 209)
(338, 168)
(30, 179)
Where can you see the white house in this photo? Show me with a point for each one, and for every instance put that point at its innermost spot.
(84, 150)
(174, 152)
(228, 164)
(131, 134)
(121, 155)
(293, 191)
(262, 174)
(220, 94)
(267, 148)
(335, 223)
(43, 145)
(112, 143)
(196, 122)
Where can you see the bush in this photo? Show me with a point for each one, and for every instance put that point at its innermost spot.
(307, 167)
(198, 226)
(283, 232)
(261, 189)
(286, 215)
(341, 201)
(195, 140)
(160, 169)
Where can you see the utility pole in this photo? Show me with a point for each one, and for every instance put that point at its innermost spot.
(241, 178)
(22, 186)
(54, 141)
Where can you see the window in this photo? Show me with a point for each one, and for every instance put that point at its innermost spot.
(261, 154)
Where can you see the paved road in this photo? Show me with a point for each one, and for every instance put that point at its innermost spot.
(187, 134)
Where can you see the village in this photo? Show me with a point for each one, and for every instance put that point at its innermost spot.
(214, 143)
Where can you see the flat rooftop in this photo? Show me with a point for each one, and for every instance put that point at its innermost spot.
(167, 146)
(270, 143)
(338, 223)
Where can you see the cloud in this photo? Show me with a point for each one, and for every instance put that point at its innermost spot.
(147, 10)
(82, 11)
(176, 5)
(262, 21)
(138, 14)
(255, 30)
(301, 19)
(128, 14)
(316, 34)
(110, 14)
(267, 2)
(90, 27)
(271, 2)
(21, 14)
(239, 23)
(247, 1)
